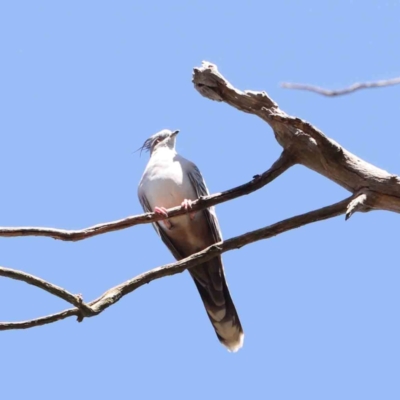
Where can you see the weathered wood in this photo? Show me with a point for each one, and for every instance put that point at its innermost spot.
(309, 145)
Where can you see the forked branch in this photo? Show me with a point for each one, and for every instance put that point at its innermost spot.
(75, 300)
(114, 294)
(302, 143)
(307, 143)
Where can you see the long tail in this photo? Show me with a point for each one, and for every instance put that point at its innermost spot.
(211, 284)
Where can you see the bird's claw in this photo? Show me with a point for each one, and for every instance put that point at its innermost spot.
(163, 211)
(187, 205)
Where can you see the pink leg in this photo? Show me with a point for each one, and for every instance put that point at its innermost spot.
(163, 211)
(187, 205)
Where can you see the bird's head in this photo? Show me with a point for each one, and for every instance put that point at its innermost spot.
(164, 138)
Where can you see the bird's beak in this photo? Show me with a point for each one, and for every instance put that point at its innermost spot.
(174, 133)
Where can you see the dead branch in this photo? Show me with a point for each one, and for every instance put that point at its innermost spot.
(309, 145)
(75, 300)
(372, 188)
(114, 294)
(339, 92)
(283, 163)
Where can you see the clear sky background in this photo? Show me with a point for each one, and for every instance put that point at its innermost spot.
(82, 85)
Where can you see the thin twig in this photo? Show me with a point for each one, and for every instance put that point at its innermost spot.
(31, 323)
(116, 293)
(284, 162)
(75, 300)
(339, 92)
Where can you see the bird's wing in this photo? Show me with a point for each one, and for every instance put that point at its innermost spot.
(146, 207)
(197, 181)
(210, 278)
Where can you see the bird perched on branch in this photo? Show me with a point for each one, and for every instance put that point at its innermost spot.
(170, 180)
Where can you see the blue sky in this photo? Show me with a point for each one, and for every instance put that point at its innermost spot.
(82, 85)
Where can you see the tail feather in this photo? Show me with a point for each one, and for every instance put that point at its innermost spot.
(211, 284)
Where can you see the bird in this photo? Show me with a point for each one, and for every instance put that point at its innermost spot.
(170, 180)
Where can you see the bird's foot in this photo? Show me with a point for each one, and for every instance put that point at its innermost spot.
(163, 211)
(187, 205)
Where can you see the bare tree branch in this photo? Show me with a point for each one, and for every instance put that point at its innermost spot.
(339, 92)
(309, 145)
(372, 188)
(75, 300)
(284, 162)
(31, 323)
(114, 294)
